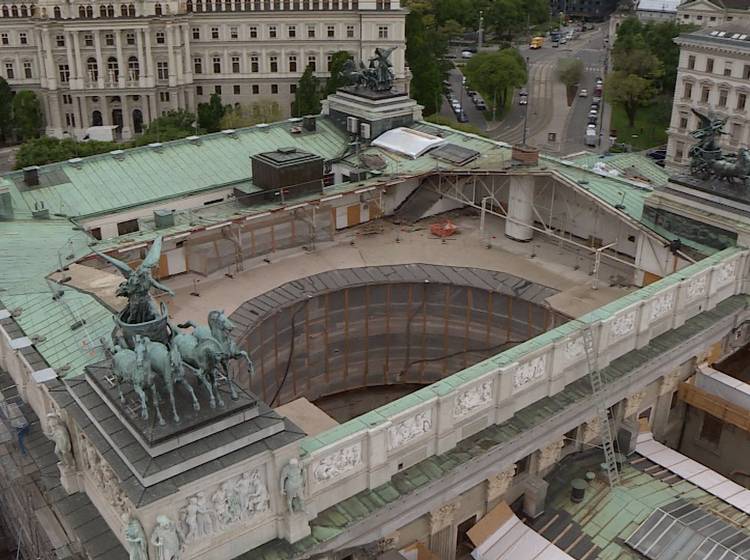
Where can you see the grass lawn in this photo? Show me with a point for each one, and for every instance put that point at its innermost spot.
(651, 124)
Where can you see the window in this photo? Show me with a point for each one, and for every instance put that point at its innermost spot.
(709, 65)
(254, 65)
(67, 99)
(217, 90)
(728, 69)
(214, 33)
(4, 39)
(688, 92)
(736, 133)
(712, 18)
(711, 429)
(27, 70)
(198, 90)
(70, 119)
(60, 40)
(131, 226)
(699, 18)
(236, 90)
(253, 32)
(683, 121)
(311, 32)
(217, 64)
(23, 38)
(233, 33)
(256, 89)
(130, 38)
(133, 68)
(162, 70)
(159, 37)
(92, 68)
(741, 100)
(382, 31)
(311, 62)
(9, 73)
(64, 72)
(723, 93)
(350, 32)
(292, 31)
(272, 31)
(88, 39)
(274, 88)
(273, 63)
(292, 63)
(131, 10)
(331, 31)
(679, 151)
(123, 10)
(196, 33)
(746, 72)
(109, 39)
(164, 96)
(691, 62)
(292, 88)
(235, 65)
(705, 93)
(58, 12)
(157, 9)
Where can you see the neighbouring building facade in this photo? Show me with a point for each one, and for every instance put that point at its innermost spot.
(714, 13)
(124, 64)
(713, 75)
(657, 10)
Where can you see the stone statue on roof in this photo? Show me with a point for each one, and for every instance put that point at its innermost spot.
(377, 76)
(292, 485)
(141, 307)
(706, 158)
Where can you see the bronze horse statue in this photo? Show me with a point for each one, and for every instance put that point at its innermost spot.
(730, 170)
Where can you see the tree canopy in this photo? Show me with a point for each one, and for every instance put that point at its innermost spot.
(43, 150)
(28, 118)
(172, 126)
(210, 114)
(307, 97)
(423, 52)
(495, 73)
(629, 91)
(6, 110)
(336, 80)
(262, 111)
(570, 70)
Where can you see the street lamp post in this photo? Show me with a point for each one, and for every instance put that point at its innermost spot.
(480, 32)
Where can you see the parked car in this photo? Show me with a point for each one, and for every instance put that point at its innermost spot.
(593, 112)
(523, 100)
(481, 106)
(583, 92)
(591, 125)
(456, 105)
(596, 99)
(593, 119)
(466, 54)
(598, 81)
(471, 93)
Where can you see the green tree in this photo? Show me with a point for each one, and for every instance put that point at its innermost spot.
(263, 111)
(28, 118)
(570, 70)
(307, 96)
(494, 74)
(336, 80)
(43, 150)
(210, 114)
(422, 58)
(6, 110)
(630, 92)
(172, 126)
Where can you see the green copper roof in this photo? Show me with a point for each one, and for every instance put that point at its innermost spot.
(628, 165)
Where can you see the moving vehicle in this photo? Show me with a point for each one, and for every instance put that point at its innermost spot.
(554, 35)
(466, 54)
(456, 105)
(536, 43)
(481, 105)
(590, 137)
(523, 98)
(583, 93)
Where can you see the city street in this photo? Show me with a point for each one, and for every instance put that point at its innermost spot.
(548, 111)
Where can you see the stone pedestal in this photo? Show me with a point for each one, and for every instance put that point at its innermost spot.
(535, 496)
(498, 485)
(443, 532)
(296, 526)
(68, 479)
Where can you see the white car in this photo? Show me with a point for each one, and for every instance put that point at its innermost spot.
(583, 93)
(466, 54)
(523, 100)
(591, 126)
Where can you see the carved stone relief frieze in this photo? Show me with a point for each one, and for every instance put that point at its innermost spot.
(697, 287)
(529, 372)
(550, 454)
(662, 305)
(442, 517)
(409, 429)
(498, 484)
(574, 349)
(727, 272)
(474, 399)
(632, 403)
(233, 501)
(623, 324)
(591, 429)
(338, 464)
(669, 383)
(104, 478)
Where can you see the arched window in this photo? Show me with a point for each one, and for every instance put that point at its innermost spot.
(92, 69)
(89, 11)
(237, 5)
(131, 10)
(81, 12)
(227, 5)
(209, 6)
(57, 12)
(198, 5)
(110, 10)
(124, 10)
(24, 11)
(189, 6)
(6, 12)
(32, 11)
(157, 9)
(113, 71)
(96, 118)
(14, 11)
(102, 11)
(133, 68)
(137, 121)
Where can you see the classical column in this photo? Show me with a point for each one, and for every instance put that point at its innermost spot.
(69, 54)
(186, 54)
(77, 50)
(42, 60)
(498, 484)
(126, 119)
(99, 59)
(141, 58)
(152, 106)
(106, 115)
(442, 532)
(172, 59)
(51, 68)
(122, 67)
(83, 112)
(149, 59)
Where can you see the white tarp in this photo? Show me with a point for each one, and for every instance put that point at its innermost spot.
(500, 535)
(406, 141)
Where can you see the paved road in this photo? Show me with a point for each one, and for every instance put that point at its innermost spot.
(8, 158)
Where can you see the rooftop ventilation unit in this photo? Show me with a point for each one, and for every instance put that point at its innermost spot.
(195, 140)
(364, 131)
(6, 204)
(31, 175)
(309, 123)
(119, 155)
(76, 162)
(40, 211)
(285, 173)
(163, 218)
(352, 125)
(156, 146)
(232, 133)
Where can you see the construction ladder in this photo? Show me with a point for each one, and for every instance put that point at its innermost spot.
(595, 376)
